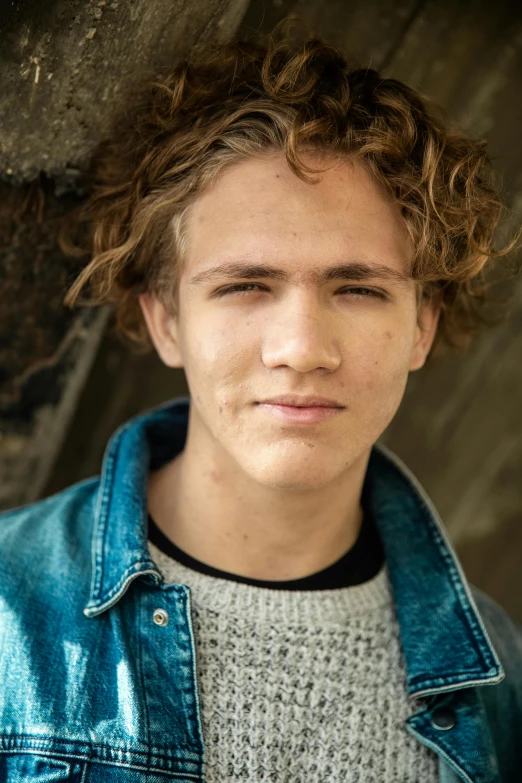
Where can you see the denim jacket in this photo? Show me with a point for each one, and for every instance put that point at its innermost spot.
(95, 690)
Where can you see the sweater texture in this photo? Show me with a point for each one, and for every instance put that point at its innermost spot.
(301, 686)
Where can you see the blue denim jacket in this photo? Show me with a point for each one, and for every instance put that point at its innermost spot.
(93, 690)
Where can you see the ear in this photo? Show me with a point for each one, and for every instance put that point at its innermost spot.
(163, 329)
(428, 319)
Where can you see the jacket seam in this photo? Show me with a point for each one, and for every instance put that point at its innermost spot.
(35, 740)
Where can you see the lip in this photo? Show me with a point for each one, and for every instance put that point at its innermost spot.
(304, 401)
(292, 414)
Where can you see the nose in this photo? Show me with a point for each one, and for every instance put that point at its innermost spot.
(302, 340)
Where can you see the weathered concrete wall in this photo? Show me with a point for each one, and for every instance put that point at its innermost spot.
(66, 67)
(45, 350)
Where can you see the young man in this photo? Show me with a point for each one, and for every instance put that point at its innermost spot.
(255, 589)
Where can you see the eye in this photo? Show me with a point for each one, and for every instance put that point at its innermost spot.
(245, 288)
(238, 288)
(365, 292)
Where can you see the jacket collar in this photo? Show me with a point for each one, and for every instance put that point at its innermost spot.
(445, 644)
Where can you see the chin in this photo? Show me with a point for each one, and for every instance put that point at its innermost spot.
(300, 465)
(295, 477)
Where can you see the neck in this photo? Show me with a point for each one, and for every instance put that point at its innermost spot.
(219, 515)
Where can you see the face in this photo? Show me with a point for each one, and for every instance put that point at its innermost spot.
(244, 337)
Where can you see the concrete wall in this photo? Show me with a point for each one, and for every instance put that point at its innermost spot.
(66, 67)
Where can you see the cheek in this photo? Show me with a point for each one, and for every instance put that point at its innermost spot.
(219, 353)
(384, 365)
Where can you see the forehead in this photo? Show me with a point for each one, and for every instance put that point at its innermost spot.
(260, 207)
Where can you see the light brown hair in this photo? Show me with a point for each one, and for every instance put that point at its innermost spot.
(249, 98)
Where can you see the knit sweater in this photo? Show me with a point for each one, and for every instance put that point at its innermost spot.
(301, 686)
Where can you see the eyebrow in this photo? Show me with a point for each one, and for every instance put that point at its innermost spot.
(353, 270)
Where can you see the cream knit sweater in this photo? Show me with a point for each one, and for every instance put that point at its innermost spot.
(301, 686)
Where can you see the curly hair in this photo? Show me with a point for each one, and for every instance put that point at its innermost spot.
(249, 98)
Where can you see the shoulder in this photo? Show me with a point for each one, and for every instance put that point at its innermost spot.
(40, 532)
(503, 702)
(504, 632)
(506, 636)
(54, 507)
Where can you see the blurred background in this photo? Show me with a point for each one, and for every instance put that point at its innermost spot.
(66, 383)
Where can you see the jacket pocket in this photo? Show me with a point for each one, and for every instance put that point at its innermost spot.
(33, 768)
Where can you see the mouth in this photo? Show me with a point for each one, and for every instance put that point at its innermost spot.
(293, 414)
(303, 401)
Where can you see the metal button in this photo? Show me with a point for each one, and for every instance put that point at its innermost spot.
(160, 617)
(443, 718)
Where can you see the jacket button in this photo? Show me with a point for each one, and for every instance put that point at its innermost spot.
(160, 617)
(443, 718)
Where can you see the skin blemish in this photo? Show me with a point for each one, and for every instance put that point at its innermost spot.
(388, 335)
